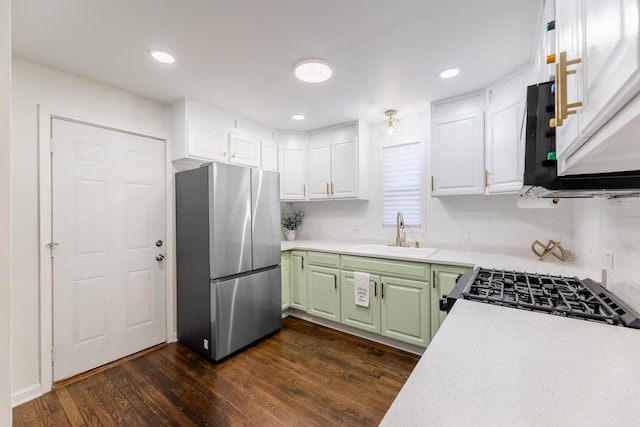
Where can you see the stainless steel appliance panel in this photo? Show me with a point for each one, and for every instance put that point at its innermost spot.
(230, 216)
(243, 310)
(265, 227)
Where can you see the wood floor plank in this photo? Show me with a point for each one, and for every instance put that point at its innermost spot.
(305, 375)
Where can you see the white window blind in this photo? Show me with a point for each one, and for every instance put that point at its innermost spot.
(401, 184)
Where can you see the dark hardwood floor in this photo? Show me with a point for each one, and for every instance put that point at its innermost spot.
(304, 375)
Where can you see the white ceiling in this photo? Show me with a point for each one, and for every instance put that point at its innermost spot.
(238, 55)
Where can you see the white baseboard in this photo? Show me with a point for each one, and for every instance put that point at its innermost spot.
(26, 394)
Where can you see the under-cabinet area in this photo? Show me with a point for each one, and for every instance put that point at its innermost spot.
(402, 299)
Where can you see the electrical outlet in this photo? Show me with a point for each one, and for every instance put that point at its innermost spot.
(608, 260)
(464, 237)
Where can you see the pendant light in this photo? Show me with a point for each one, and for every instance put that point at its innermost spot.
(391, 127)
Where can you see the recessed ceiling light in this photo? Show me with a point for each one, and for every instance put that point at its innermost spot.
(451, 72)
(161, 56)
(313, 70)
(297, 117)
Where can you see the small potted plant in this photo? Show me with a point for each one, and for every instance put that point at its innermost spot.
(290, 222)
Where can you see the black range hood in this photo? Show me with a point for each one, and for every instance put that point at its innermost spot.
(540, 169)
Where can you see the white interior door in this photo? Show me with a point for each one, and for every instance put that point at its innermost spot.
(108, 208)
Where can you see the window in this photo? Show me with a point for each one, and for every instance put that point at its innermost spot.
(401, 184)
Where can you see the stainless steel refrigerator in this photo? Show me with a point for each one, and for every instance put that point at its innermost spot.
(228, 257)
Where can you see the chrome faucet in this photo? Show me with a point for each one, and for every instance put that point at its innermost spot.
(400, 239)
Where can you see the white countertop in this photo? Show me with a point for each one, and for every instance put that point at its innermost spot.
(493, 366)
(529, 264)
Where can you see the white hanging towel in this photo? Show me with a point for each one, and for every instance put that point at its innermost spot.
(361, 286)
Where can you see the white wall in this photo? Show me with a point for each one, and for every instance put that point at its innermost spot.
(5, 221)
(607, 235)
(494, 223)
(68, 95)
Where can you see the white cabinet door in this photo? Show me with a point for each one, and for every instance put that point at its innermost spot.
(269, 157)
(320, 170)
(344, 168)
(568, 28)
(206, 143)
(610, 59)
(505, 135)
(244, 151)
(292, 173)
(605, 37)
(457, 155)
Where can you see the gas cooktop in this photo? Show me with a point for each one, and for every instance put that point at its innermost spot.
(563, 296)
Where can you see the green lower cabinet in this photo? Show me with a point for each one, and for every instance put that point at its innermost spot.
(405, 310)
(298, 281)
(323, 292)
(366, 318)
(443, 279)
(286, 275)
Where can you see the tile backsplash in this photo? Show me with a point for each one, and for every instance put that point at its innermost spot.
(607, 238)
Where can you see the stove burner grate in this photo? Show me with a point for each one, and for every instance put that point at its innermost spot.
(558, 295)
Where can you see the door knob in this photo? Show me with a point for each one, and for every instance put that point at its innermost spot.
(159, 257)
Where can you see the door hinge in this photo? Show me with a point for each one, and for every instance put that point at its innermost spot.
(52, 355)
(51, 145)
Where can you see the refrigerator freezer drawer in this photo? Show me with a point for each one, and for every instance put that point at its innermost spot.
(243, 310)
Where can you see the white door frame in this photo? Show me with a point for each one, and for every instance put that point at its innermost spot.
(45, 115)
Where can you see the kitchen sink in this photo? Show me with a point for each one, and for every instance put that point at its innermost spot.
(409, 252)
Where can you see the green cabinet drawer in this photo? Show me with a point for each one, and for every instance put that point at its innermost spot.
(324, 259)
(409, 270)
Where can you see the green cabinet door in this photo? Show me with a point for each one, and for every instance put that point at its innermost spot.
(367, 318)
(442, 281)
(405, 310)
(323, 292)
(286, 274)
(298, 281)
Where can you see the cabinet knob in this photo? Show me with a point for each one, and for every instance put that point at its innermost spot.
(224, 154)
(233, 155)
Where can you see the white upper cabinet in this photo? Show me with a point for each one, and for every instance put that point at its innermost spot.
(292, 160)
(542, 71)
(198, 134)
(602, 44)
(202, 134)
(319, 155)
(505, 134)
(457, 146)
(244, 151)
(269, 156)
(337, 159)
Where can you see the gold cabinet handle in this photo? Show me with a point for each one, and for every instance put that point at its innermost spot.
(432, 183)
(332, 192)
(382, 290)
(224, 154)
(486, 178)
(563, 109)
(327, 188)
(335, 282)
(375, 289)
(304, 190)
(433, 279)
(233, 155)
